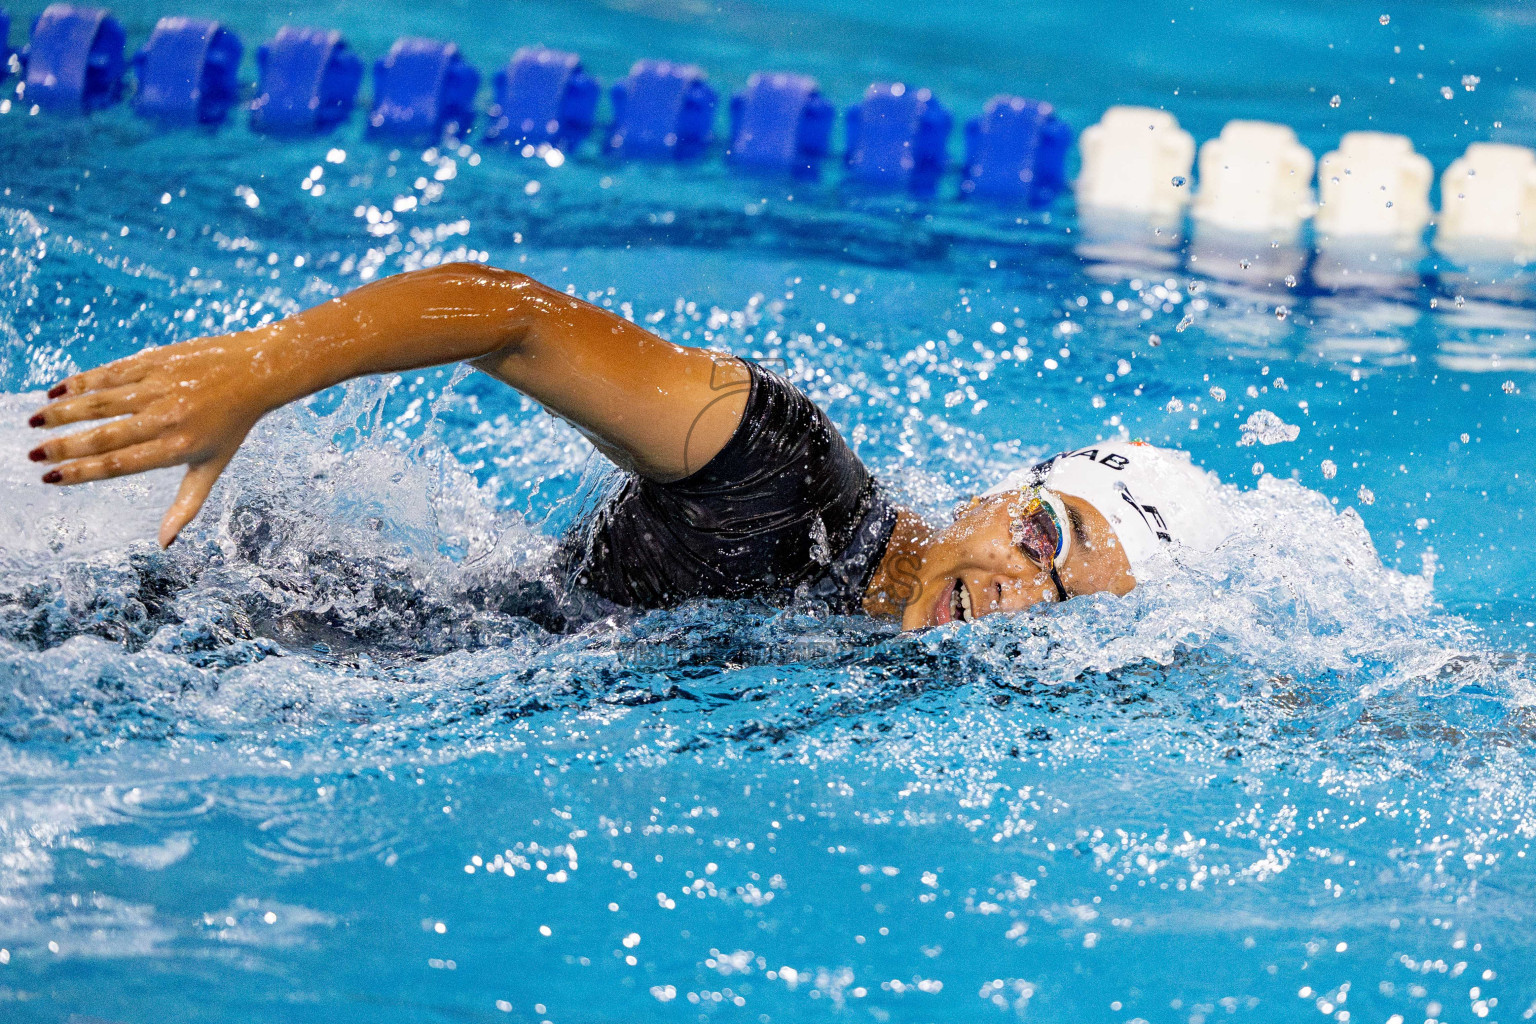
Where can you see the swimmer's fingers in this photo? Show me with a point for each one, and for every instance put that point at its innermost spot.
(100, 440)
(124, 371)
(194, 490)
(137, 458)
(97, 405)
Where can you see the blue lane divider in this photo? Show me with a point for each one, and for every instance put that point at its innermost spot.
(898, 137)
(423, 88)
(1017, 149)
(187, 72)
(780, 122)
(306, 81)
(662, 110)
(542, 96)
(5, 45)
(75, 60)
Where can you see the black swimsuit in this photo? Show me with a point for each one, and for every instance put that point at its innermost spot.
(784, 511)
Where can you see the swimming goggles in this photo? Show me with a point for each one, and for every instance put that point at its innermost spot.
(1040, 527)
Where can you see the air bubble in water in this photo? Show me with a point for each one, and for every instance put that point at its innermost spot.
(1366, 495)
(1220, 394)
(1470, 82)
(1154, 340)
(1281, 312)
(1245, 263)
(1184, 324)
(1509, 387)
(1179, 181)
(1446, 91)
(1258, 469)
(1333, 101)
(1290, 280)
(1386, 19)
(1329, 469)
(1465, 438)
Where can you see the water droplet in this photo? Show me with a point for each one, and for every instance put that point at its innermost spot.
(1465, 438)
(1184, 324)
(1219, 393)
(1154, 340)
(1470, 82)
(1258, 469)
(1446, 91)
(1509, 387)
(1386, 19)
(1460, 301)
(1334, 100)
(1179, 181)
(1281, 312)
(1389, 204)
(1329, 469)
(1366, 495)
(1244, 263)
(1290, 280)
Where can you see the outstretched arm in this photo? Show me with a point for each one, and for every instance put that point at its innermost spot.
(654, 407)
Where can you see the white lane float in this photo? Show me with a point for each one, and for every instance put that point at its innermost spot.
(1136, 160)
(1255, 195)
(1373, 207)
(1488, 204)
(1134, 188)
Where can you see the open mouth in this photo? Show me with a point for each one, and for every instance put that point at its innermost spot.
(960, 603)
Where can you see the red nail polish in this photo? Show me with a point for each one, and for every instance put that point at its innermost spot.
(53, 476)
(36, 455)
(56, 391)
(35, 421)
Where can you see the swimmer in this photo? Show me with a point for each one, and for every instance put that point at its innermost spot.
(737, 484)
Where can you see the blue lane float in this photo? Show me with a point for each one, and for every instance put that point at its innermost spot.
(780, 122)
(1016, 150)
(187, 72)
(898, 137)
(75, 61)
(542, 97)
(5, 46)
(662, 110)
(306, 82)
(422, 89)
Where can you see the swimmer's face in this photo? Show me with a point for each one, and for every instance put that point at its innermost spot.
(972, 568)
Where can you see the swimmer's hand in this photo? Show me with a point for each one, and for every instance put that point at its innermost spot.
(187, 404)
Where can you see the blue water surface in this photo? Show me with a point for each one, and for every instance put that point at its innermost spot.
(332, 758)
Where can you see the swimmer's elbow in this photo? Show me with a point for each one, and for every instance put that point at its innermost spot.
(490, 304)
(474, 277)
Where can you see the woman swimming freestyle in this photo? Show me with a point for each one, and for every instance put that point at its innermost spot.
(739, 485)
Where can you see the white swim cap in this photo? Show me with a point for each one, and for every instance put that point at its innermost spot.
(1152, 497)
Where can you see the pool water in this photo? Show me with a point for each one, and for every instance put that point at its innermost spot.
(333, 757)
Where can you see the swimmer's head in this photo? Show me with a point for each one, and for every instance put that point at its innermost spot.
(1088, 521)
